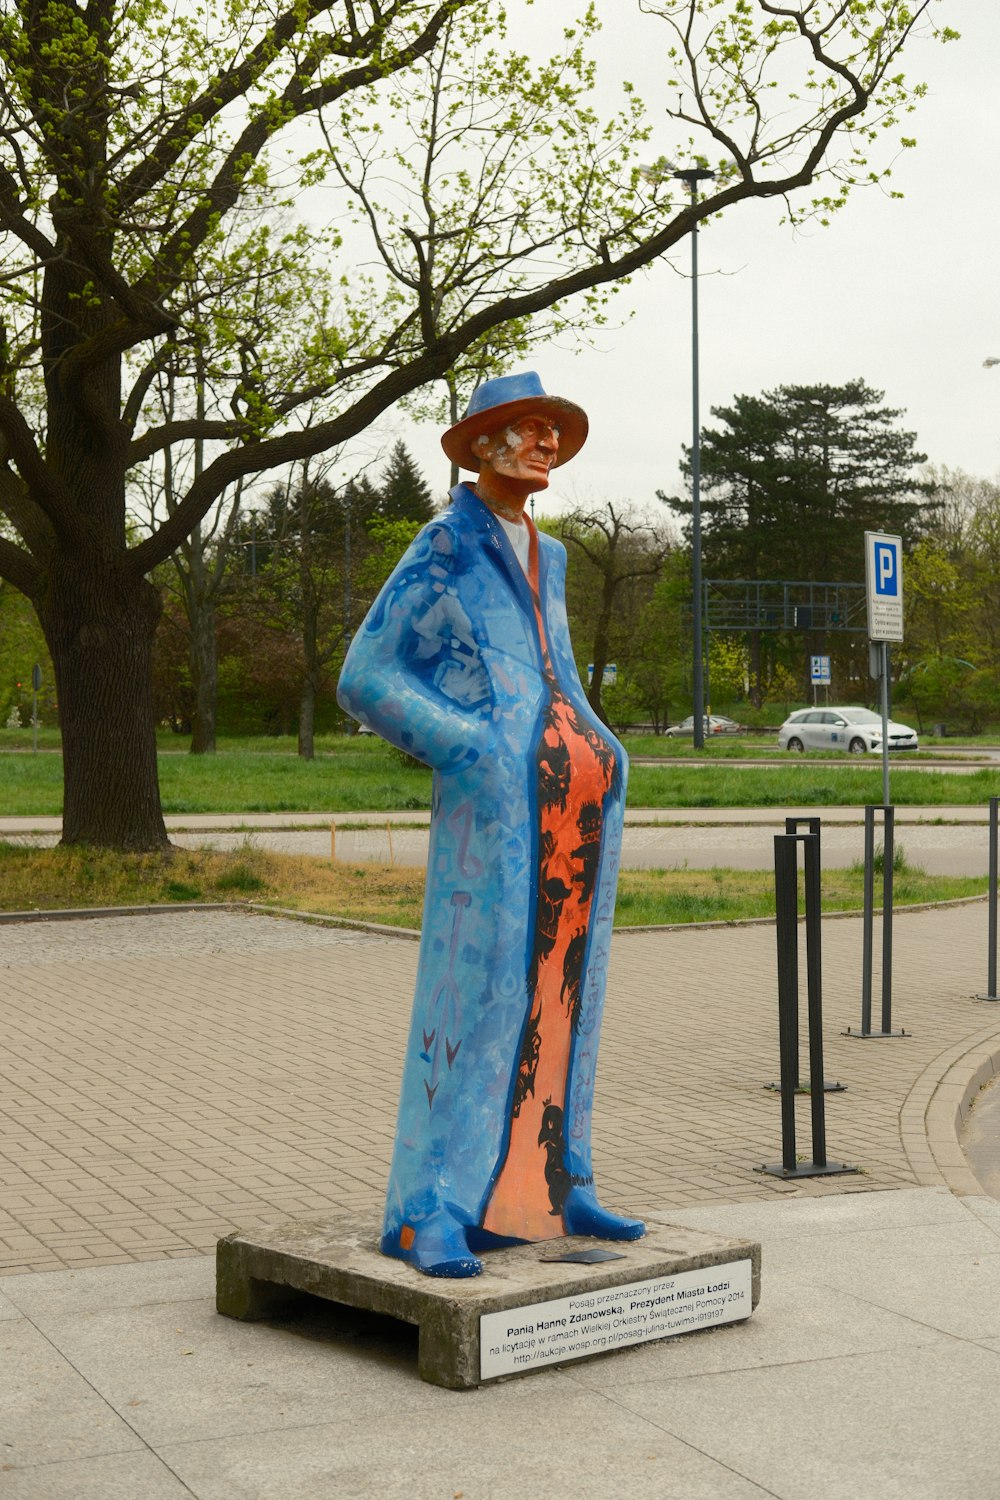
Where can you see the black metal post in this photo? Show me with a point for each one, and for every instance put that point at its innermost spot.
(786, 931)
(814, 961)
(786, 909)
(888, 858)
(888, 872)
(814, 971)
(991, 940)
(868, 923)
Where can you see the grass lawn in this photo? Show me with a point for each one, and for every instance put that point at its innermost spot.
(360, 776)
(61, 879)
(357, 775)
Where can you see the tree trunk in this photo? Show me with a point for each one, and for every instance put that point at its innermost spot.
(756, 670)
(601, 651)
(99, 621)
(98, 615)
(307, 718)
(204, 675)
(601, 648)
(310, 655)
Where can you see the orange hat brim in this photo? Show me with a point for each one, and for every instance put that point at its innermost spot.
(569, 418)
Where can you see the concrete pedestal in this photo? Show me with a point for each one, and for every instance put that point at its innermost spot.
(527, 1311)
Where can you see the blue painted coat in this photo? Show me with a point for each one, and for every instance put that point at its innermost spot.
(448, 666)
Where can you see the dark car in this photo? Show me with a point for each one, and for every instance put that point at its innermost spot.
(714, 724)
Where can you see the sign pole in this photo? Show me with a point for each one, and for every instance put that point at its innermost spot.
(885, 722)
(884, 588)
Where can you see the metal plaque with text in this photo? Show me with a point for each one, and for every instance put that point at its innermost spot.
(545, 1333)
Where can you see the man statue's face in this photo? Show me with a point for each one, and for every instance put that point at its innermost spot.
(524, 452)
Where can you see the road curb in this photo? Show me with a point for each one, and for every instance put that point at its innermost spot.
(320, 919)
(947, 1108)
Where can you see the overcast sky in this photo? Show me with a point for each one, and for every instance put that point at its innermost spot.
(900, 293)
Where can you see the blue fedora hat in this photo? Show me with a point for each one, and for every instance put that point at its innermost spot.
(503, 400)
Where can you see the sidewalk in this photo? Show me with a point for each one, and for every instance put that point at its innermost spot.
(171, 1078)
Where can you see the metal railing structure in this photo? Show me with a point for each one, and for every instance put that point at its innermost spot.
(759, 605)
(741, 604)
(786, 898)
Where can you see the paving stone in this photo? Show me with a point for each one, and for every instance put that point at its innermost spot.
(509, 1442)
(920, 1438)
(120, 1476)
(199, 1073)
(48, 1411)
(796, 1320)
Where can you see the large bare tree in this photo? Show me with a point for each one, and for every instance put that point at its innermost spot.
(619, 549)
(323, 205)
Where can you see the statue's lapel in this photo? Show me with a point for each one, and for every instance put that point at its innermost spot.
(493, 540)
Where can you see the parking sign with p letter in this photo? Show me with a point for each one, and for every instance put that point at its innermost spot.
(884, 586)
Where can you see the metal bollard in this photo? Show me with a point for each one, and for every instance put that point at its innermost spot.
(786, 926)
(867, 940)
(991, 941)
(814, 959)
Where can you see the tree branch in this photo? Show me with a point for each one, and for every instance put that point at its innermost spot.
(51, 496)
(227, 185)
(111, 342)
(214, 98)
(13, 219)
(77, 227)
(19, 568)
(143, 381)
(431, 363)
(158, 438)
(30, 520)
(431, 358)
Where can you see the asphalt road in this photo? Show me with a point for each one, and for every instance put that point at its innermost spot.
(950, 762)
(945, 850)
(945, 841)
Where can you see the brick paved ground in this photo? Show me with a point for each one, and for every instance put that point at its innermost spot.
(168, 1079)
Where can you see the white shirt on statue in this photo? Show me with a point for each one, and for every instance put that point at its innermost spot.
(520, 539)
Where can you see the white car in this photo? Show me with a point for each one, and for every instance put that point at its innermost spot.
(856, 730)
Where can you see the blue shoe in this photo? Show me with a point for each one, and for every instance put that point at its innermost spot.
(437, 1246)
(582, 1214)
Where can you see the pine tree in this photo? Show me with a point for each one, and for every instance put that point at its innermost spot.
(792, 479)
(406, 495)
(360, 501)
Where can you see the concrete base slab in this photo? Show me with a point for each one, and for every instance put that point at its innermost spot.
(558, 1311)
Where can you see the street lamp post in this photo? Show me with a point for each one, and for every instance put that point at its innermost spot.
(692, 176)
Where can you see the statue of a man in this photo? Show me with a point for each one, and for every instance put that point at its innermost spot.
(465, 661)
